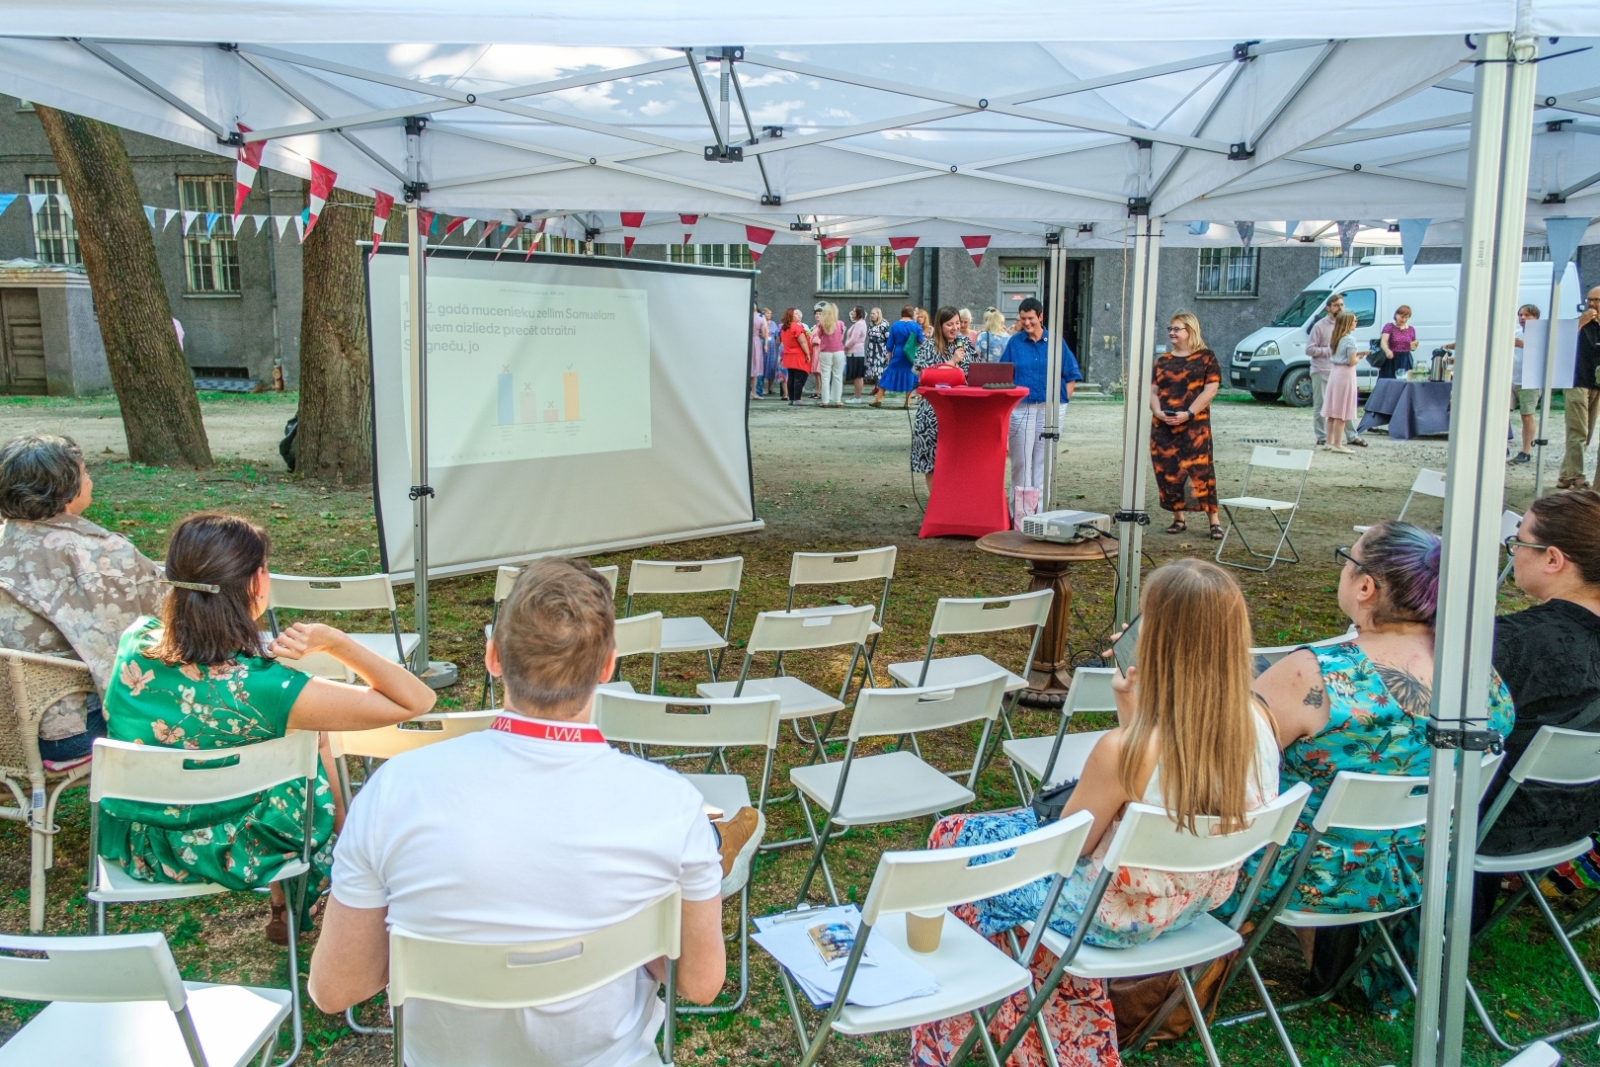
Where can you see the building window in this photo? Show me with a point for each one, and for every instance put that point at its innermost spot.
(1333, 259)
(55, 237)
(860, 269)
(1227, 272)
(1535, 253)
(210, 253)
(736, 257)
(1019, 272)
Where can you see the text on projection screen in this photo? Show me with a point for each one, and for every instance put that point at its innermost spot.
(534, 371)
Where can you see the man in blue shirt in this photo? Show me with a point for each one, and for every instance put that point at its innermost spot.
(1028, 353)
(898, 376)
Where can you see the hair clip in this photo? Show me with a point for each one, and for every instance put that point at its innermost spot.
(198, 587)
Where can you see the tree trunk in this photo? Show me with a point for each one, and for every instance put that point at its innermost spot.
(160, 411)
(334, 441)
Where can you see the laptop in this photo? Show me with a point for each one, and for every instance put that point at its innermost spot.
(990, 375)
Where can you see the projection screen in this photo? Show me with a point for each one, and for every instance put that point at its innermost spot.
(576, 405)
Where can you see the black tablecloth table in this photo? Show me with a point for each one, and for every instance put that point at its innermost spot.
(1409, 409)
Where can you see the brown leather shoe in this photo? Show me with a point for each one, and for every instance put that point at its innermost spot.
(736, 832)
(278, 925)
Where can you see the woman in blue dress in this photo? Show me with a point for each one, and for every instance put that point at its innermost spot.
(899, 376)
(1363, 706)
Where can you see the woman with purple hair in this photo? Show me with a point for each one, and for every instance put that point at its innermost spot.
(1362, 706)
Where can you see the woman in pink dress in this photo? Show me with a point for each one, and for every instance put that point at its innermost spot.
(1340, 400)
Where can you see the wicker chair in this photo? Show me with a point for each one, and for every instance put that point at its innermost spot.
(33, 684)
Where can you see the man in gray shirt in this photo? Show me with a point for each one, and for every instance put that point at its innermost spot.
(1319, 347)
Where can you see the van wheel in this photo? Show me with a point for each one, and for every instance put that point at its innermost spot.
(1265, 398)
(1297, 388)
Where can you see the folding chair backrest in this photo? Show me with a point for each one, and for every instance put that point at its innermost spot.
(882, 712)
(1274, 653)
(1148, 837)
(1429, 483)
(124, 771)
(118, 967)
(944, 877)
(1289, 459)
(1090, 690)
(386, 742)
(794, 631)
(826, 568)
(638, 633)
(534, 973)
(1509, 522)
(1373, 802)
(505, 580)
(981, 615)
(369, 592)
(685, 722)
(1560, 757)
(705, 576)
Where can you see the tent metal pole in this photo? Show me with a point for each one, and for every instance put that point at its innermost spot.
(1140, 358)
(1056, 318)
(417, 359)
(1556, 270)
(1463, 645)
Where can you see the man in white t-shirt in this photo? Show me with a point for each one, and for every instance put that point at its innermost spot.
(534, 830)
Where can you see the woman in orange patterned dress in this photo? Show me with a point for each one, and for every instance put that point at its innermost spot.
(1186, 378)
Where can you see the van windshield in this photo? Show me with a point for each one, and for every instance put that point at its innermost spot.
(1298, 312)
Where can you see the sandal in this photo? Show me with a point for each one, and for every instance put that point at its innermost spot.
(1216, 531)
(278, 925)
(1177, 527)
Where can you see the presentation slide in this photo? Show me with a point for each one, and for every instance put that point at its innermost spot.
(575, 405)
(536, 370)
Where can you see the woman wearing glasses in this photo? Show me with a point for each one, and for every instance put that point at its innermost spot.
(1186, 378)
(1549, 656)
(1362, 706)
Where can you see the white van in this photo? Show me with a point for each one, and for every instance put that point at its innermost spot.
(1272, 361)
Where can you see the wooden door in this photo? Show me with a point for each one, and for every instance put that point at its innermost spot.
(22, 339)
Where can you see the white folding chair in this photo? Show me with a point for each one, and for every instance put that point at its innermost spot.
(970, 972)
(33, 684)
(797, 631)
(369, 592)
(1052, 760)
(838, 568)
(1510, 521)
(1148, 838)
(636, 635)
(893, 786)
(120, 1002)
(1285, 459)
(733, 722)
(1427, 483)
(1266, 657)
(648, 577)
(1554, 757)
(979, 615)
(534, 974)
(505, 579)
(182, 777)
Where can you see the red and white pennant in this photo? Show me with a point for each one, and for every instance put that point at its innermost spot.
(902, 248)
(758, 239)
(321, 188)
(688, 222)
(975, 247)
(632, 221)
(244, 172)
(382, 205)
(831, 245)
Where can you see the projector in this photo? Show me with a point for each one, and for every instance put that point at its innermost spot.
(1066, 527)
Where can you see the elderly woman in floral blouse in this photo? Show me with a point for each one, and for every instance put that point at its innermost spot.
(198, 678)
(67, 587)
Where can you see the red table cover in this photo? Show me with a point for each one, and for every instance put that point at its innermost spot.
(968, 498)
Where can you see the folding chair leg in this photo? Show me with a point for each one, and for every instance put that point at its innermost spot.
(1272, 1011)
(1199, 1018)
(794, 1009)
(1486, 1022)
(1585, 918)
(1399, 961)
(711, 664)
(744, 963)
(294, 897)
(356, 1027)
(817, 857)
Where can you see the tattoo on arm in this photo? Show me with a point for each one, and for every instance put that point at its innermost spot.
(1314, 697)
(1412, 694)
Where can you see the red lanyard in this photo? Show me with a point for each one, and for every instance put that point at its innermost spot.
(580, 732)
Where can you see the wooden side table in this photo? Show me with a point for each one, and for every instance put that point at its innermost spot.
(1048, 566)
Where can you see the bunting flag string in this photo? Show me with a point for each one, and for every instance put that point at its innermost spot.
(244, 172)
(424, 224)
(7, 198)
(632, 221)
(36, 201)
(533, 245)
(166, 219)
(512, 236)
(382, 205)
(455, 224)
(188, 220)
(902, 248)
(301, 223)
(1289, 228)
(322, 180)
(688, 222)
(831, 245)
(758, 239)
(149, 212)
(1247, 230)
(1412, 231)
(212, 218)
(976, 247)
(284, 222)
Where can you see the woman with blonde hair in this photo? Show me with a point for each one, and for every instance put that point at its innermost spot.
(966, 325)
(1186, 378)
(1190, 739)
(1340, 399)
(991, 341)
(828, 338)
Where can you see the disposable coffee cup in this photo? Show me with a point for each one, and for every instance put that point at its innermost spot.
(923, 929)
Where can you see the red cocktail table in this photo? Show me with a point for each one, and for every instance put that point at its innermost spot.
(968, 496)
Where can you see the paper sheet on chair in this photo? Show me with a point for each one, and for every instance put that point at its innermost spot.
(885, 976)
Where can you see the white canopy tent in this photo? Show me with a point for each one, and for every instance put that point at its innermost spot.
(1429, 114)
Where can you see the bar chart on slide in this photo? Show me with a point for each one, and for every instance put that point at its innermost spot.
(517, 407)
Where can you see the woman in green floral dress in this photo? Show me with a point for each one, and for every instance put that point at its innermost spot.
(199, 678)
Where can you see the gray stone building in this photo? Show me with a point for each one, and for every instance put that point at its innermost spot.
(238, 296)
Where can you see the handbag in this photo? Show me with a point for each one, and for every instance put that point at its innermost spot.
(1376, 357)
(1048, 804)
(1134, 1001)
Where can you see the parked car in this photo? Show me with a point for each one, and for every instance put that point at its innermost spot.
(1272, 361)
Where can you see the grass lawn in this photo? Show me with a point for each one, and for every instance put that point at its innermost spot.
(1519, 970)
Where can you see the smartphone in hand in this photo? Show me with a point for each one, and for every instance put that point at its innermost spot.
(1123, 649)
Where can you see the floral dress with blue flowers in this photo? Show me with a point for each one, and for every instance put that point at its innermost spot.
(243, 843)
